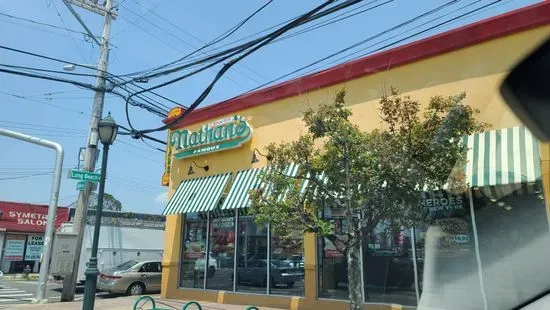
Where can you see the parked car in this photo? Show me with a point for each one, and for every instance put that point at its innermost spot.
(132, 278)
(282, 273)
(212, 265)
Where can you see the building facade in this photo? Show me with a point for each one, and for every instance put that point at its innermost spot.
(214, 158)
(22, 228)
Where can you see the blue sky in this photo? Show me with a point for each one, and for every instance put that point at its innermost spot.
(154, 32)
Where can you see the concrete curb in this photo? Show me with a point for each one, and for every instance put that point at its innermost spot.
(31, 277)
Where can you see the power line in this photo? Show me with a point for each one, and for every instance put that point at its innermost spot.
(46, 70)
(161, 112)
(43, 24)
(219, 38)
(42, 126)
(472, 12)
(334, 19)
(226, 54)
(45, 130)
(313, 27)
(170, 45)
(407, 22)
(42, 102)
(26, 176)
(72, 39)
(311, 15)
(50, 78)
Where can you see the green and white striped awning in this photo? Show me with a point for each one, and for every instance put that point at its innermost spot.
(504, 156)
(198, 195)
(501, 157)
(247, 180)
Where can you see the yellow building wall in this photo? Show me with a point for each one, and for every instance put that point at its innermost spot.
(476, 70)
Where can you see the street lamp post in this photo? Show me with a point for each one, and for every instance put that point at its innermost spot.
(108, 130)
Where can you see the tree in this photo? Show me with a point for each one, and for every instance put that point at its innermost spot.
(109, 202)
(374, 177)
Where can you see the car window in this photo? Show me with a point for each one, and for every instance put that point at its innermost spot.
(126, 265)
(151, 267)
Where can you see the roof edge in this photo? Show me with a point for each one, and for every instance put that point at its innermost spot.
(485, 30)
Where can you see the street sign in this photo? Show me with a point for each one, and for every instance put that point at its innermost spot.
(80, 185)
(85, 176)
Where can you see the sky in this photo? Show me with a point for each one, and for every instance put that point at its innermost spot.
(150, 33)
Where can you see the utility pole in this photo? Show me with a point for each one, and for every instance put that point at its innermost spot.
(81, 209)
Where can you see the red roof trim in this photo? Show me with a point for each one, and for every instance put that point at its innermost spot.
(468, 35)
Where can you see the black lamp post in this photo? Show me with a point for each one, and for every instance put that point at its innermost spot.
(108, 130)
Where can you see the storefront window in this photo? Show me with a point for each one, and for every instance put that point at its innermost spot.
(252, 257)
(222, 249)
(388, 266)
(194, 251)
(445, 250)
(333, 272)
(287, 265)
(510, 218)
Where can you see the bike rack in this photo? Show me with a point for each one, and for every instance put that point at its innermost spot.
(147, 299)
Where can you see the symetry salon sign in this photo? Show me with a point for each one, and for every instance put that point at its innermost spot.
(223, 134)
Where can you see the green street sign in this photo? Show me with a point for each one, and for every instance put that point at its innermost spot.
(85, 176)
(80, 185)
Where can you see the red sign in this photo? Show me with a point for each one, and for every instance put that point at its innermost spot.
(24, 217)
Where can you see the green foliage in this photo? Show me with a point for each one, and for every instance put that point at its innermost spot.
(109, 202)
(373, 176)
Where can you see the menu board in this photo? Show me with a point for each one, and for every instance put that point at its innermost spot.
(35, 244)
(195, 242)
(223, 235)
(15, 247)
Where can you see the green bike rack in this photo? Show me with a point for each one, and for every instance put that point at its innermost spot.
(148, 298)
(190, 304)
(185, 307)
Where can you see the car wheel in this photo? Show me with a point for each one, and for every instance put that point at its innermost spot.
(136, 289)
(290, 284)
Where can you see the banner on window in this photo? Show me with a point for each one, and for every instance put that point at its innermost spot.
(35, 244)
(15, 247)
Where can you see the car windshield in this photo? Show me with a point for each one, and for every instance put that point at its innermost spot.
(125, 266)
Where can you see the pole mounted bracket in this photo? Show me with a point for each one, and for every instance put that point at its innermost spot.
(93, 6)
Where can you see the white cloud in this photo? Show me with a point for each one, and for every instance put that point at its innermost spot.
(162, 198)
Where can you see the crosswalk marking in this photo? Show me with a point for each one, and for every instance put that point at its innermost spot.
(10, 295)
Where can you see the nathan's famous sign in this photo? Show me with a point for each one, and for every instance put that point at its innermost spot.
(223, 134)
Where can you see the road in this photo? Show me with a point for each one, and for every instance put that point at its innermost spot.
(21, 292)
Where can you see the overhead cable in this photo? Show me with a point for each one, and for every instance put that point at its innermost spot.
(299, 21)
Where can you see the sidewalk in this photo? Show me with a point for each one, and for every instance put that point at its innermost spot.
(127, 303)
(20, 276)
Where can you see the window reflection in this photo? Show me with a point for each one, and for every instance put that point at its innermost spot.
(388, 266)
(251, 256)
(509, 221)
(194, 250)
(222, 248)
(333, 272)
(446, 251)
(287, 265)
